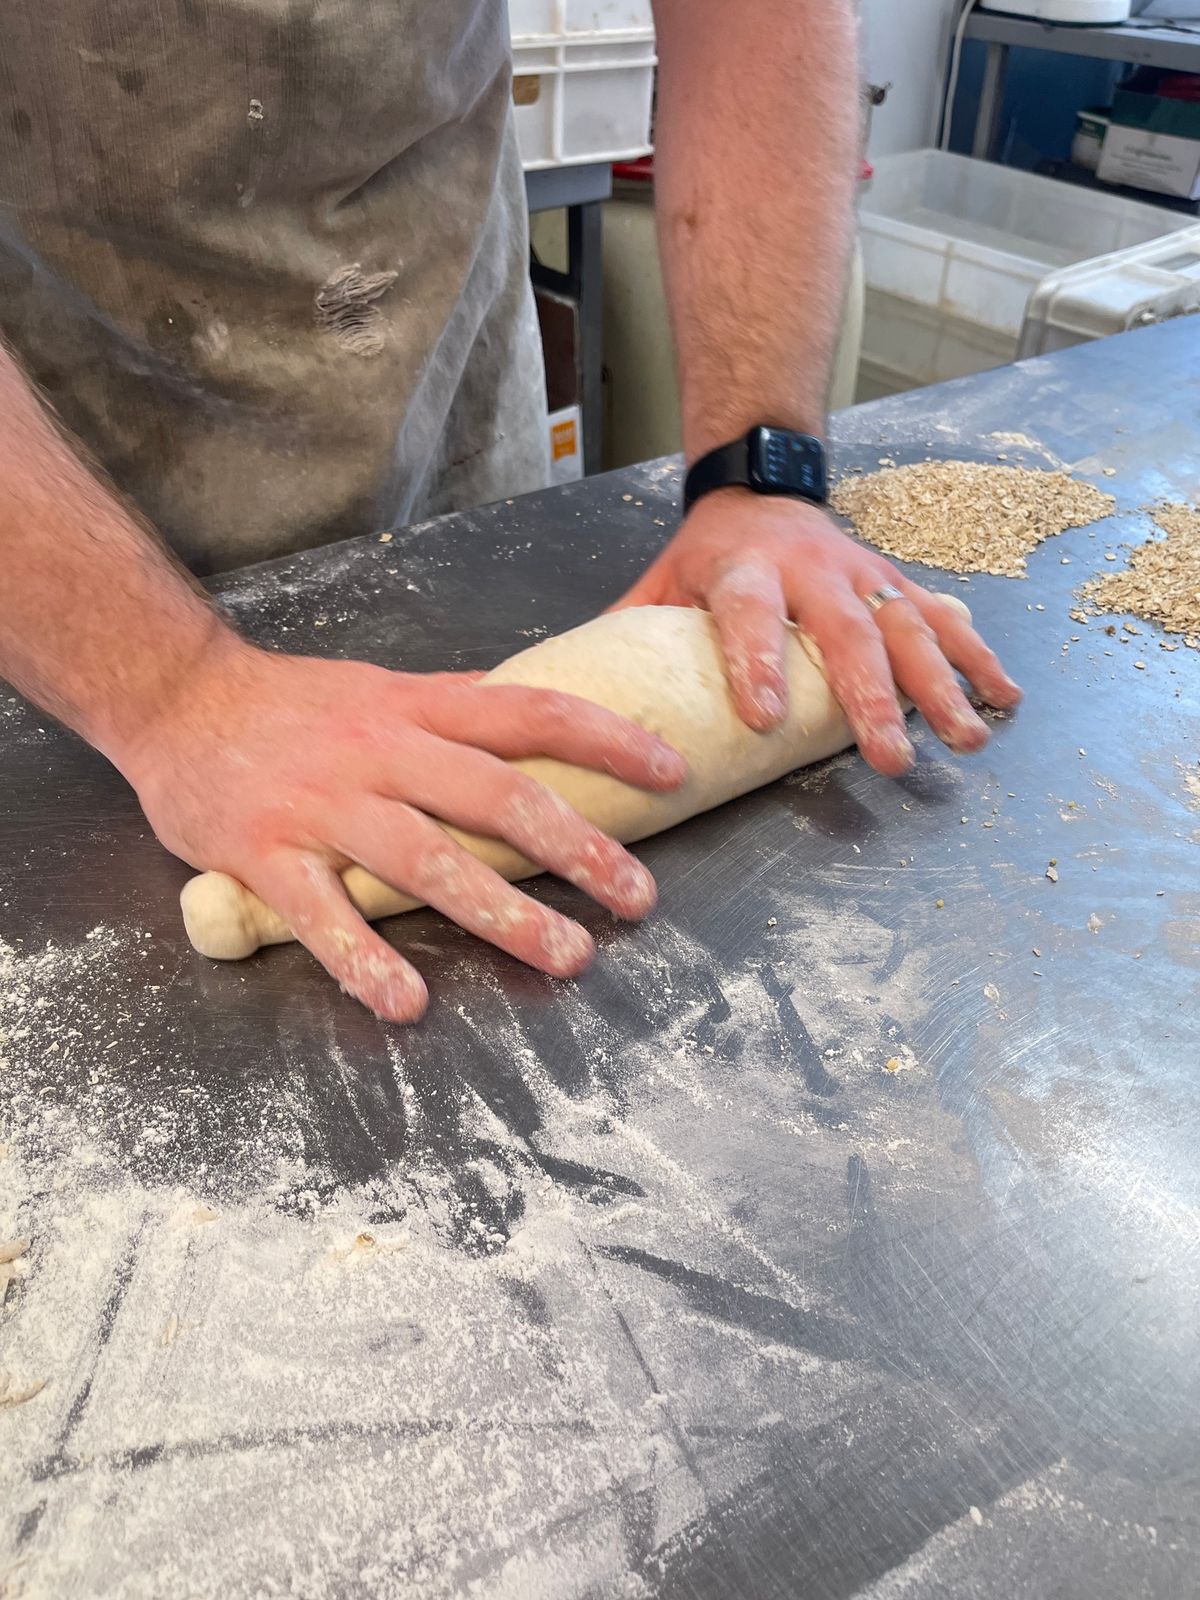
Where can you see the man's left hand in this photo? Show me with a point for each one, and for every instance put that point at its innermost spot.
(757, 562)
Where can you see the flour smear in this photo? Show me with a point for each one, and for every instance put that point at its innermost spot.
(476, 1372)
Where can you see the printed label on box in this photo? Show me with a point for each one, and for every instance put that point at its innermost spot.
(564, 440)
(566, 455)
(1157, 161)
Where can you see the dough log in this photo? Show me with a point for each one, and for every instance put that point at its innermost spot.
(661, 667)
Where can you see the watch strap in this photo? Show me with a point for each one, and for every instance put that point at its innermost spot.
(771, 461)
(728, 465)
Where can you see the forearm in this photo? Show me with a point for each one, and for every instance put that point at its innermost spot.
(98, 625)
(757, 143)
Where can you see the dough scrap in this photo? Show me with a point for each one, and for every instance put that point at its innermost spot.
(660, 666)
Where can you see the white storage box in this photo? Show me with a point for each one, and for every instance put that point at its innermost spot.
(1156, 161)
(583, 80)
(1150, 283)
(906, 346)
(967, 242)
(1069, 13)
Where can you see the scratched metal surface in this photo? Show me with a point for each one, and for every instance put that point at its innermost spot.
(699, 1299)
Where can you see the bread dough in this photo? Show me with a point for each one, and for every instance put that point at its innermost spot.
(660, 666)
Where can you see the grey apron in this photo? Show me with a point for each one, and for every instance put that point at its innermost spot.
(267, 259)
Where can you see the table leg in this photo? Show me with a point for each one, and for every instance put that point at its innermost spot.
(585, 246)
(991, 101)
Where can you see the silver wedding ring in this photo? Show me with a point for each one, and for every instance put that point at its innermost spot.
(878, 598)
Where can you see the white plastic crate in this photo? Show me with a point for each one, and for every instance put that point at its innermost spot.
(583, 80)
(1131, 289)
(968, 242)
(906, 346)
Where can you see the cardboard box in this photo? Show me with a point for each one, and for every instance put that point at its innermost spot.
(566, 445)
(559, 318)
(1156, 161)
(1153, 143)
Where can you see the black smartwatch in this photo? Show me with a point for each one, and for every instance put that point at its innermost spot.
(767, 460)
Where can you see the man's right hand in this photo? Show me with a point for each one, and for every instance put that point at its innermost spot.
(283, 770)
(280, 770)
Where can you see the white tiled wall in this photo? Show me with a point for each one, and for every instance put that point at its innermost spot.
(905, 43)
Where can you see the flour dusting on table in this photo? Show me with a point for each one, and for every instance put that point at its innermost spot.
(499, 1336)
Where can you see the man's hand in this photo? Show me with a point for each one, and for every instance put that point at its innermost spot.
(756, 562)
(758, 138)
(282, 770)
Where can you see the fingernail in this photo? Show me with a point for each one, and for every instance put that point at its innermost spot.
(634, 890)
(567, 946)
(403, 997)
(771, 703)
(965, 731)
(667, 765)
(899, 746)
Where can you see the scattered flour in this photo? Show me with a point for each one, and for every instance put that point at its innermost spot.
(487, 1329)
(566, 1284)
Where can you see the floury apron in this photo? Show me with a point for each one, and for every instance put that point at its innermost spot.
(267, 259)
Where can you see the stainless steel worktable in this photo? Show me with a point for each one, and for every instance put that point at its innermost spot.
(838, 1235)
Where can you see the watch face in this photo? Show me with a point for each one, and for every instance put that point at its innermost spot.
(783, 462)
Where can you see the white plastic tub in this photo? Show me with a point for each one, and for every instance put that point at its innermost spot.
(968, 242)
(1149, 283)
(906, 346)
(583, 80)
